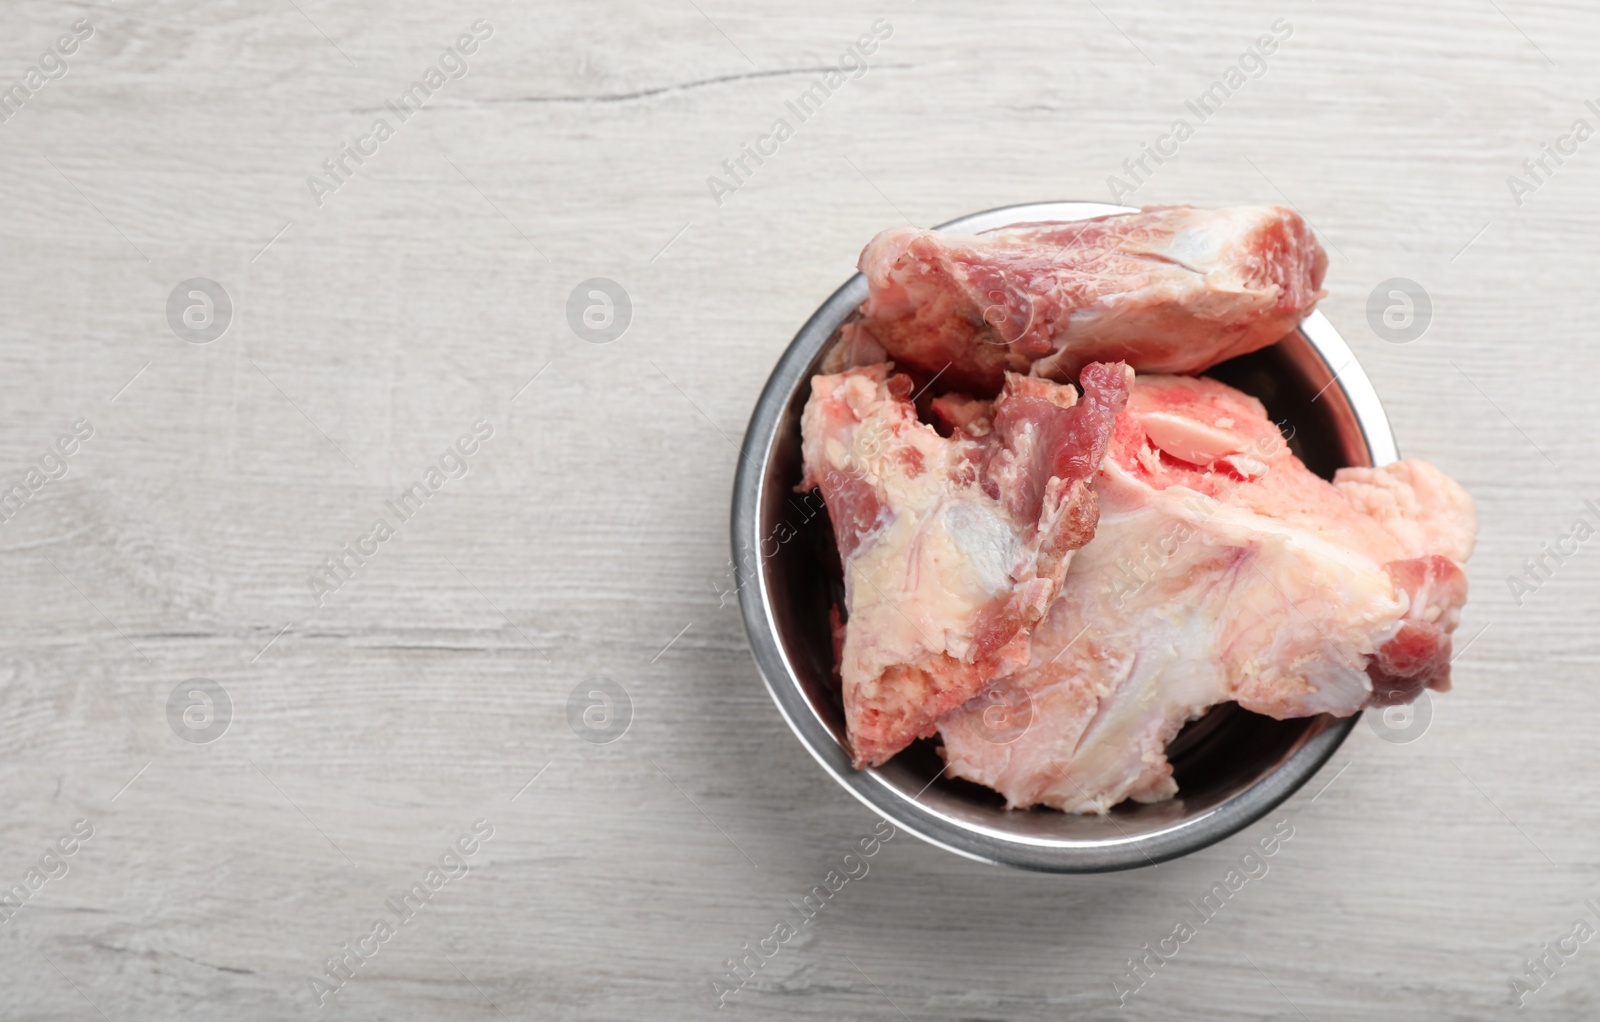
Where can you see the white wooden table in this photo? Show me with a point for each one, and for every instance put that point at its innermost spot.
(372, 723)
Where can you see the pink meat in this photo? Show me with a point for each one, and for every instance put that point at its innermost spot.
(953, 548)
(1221, 570)
(1170, 289)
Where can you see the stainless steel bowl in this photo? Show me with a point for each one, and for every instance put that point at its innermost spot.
(1232, 767)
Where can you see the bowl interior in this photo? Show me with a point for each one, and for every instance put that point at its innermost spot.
(1216, 760)
(1213, 759)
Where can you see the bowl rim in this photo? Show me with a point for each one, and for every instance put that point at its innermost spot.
(870, 786)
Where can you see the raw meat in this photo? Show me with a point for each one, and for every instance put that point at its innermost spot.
(1222, 569)
(953, 548)
(1170, 289)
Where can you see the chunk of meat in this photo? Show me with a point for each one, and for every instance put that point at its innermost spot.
(1222, 569)
(973, 416)
(953, 548)
(1170, 289)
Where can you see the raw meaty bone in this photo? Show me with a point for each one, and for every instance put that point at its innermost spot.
(953, 548)
(1170, 289)
(1222, 569)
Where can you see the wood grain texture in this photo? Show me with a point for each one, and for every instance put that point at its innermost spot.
(368, 733)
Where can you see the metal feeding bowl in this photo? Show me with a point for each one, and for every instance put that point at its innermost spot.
(1232, 767)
